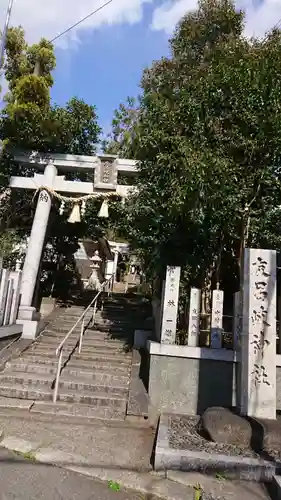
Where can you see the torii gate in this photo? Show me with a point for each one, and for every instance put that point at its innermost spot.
(104, 169)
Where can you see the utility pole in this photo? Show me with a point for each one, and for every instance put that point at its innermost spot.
(2, 50)
(4, 36)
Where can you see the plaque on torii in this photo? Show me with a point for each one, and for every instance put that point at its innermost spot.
(104, 170)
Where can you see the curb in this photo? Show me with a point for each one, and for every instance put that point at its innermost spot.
(236, 467)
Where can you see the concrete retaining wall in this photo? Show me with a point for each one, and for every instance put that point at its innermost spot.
(188, 380)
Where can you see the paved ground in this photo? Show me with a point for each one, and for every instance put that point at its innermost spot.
(30, 474)
(22, 480)
(126, 448)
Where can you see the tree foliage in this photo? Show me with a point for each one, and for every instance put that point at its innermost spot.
(124, 136)
(208, 146)
(30, 121)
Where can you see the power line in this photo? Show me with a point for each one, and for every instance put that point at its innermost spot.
(81, 21)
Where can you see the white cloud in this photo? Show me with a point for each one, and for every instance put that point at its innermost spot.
(168, 14)
(259, 18)
(48, 18)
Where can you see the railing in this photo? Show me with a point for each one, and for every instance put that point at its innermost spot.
(106, 286)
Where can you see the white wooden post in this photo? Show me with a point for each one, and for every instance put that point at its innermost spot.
(3, 293)
(8, 301)
(194, 317)
(16, 296)
(217, 315)
(170, 308)
(258, 337)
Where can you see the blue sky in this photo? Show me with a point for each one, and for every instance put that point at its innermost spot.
(107, 65)
(102, 59)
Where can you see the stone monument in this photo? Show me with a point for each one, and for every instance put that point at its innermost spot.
(258, 336)
(170, 305)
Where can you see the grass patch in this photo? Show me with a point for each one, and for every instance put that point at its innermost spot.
(27, 455)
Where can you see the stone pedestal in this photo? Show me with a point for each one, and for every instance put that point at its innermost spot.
(194, 317)
(170, 305)
(48, 304)
(27, 313)
(258, 337)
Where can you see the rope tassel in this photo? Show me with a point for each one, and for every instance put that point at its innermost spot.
(103, 209)
(75, 214)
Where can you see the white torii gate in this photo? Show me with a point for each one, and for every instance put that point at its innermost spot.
(104, 169)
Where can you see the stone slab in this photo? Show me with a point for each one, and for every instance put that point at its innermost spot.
(236, 467)
(10, 330)
(223, 426)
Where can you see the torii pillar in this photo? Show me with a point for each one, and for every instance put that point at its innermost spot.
(105, 170)
(27, 314)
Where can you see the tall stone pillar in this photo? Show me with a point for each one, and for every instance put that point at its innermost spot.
(27, 314)
(170, 305)
(116, 253)
(258, 335)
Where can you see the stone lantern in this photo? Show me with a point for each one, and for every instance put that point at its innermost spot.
(94, 281)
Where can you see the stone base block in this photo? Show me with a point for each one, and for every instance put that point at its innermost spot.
(30, 329)
(47, 306)
(28, 313)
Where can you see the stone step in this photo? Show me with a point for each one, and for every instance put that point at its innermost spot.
(88, 340)
(80, 383)
(79, 411)
(63, 328)
(88, 335)
(118, 366)
(73, 413)
(64, 325)
(101, 399)
(102, 375)
(100, 327)
(92, 358)
(86, 350)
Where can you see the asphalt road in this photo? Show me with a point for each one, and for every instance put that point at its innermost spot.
(21, 479)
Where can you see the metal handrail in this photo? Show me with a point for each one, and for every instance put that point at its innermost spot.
(59, 350)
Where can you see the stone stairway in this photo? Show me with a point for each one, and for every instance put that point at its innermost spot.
(93, 384)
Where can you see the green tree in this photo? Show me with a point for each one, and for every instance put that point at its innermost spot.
(209, 149)
(29, 121)
(123, 138)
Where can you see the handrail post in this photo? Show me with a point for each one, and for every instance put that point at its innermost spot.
(57, 379)
(81, 335)
(94, 313)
